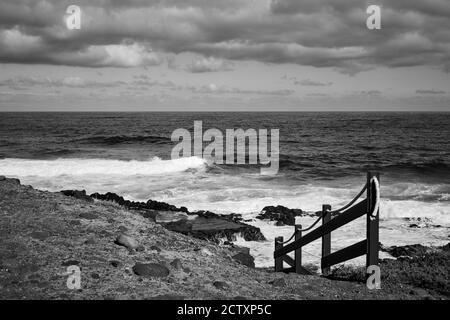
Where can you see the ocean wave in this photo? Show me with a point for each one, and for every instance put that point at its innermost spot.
(120, 139)
(78, 167)
(421, 166)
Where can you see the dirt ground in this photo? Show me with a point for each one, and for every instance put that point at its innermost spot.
(42, 233)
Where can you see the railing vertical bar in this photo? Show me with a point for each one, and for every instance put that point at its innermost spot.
(372, 223)
(278, 261)
(298, 251)
(326, 238)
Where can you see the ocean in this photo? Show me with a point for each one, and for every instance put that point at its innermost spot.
(323, 160)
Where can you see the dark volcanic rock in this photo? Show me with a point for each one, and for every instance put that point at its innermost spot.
(146, 206)
(211, 226)
(208, 225)
(151, 270)
(79, 194)
(413, 250)
(156, 205)
(245, 258)
(280, 214)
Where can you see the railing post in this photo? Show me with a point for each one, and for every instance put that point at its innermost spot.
(372, 222)
(326, 238)
(278, 261)
(298, 251)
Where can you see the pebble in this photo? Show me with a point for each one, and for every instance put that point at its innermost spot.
(90, 241)
(279, 282)
(70, 263)
(126, 241)
(176, 264)
(221, 285)
(206, 251)
(151, 270)
(40, 235)
(115, 263)
(88, 215)
(155, 248)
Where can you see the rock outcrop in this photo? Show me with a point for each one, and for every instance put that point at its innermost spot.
(283, 215)
(200, 224)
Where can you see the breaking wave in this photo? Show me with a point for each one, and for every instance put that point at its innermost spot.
(78, 167)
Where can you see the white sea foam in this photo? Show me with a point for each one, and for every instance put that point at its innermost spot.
(78, 167)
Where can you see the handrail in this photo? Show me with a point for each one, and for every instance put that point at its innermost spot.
(351, 211)
(323, 213)
(351, 202)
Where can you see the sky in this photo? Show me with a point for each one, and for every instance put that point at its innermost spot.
(224, 55)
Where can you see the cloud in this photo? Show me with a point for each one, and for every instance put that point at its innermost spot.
(212, 88)
(22, 83)
(319, 33)
(209, 64)
(430, 91)
(17, 47)
(312, 83)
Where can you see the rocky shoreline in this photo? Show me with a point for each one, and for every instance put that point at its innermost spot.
(129, 250)
(205, 225)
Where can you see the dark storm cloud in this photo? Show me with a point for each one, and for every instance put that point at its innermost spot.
(320, 33)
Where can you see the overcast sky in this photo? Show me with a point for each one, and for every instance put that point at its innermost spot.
(209, 55)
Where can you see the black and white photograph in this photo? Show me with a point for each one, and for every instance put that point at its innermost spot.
(251, 152)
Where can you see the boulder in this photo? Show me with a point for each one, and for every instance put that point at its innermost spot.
(151, 270)
(210, 226)
(280, 214)
(245, 259)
